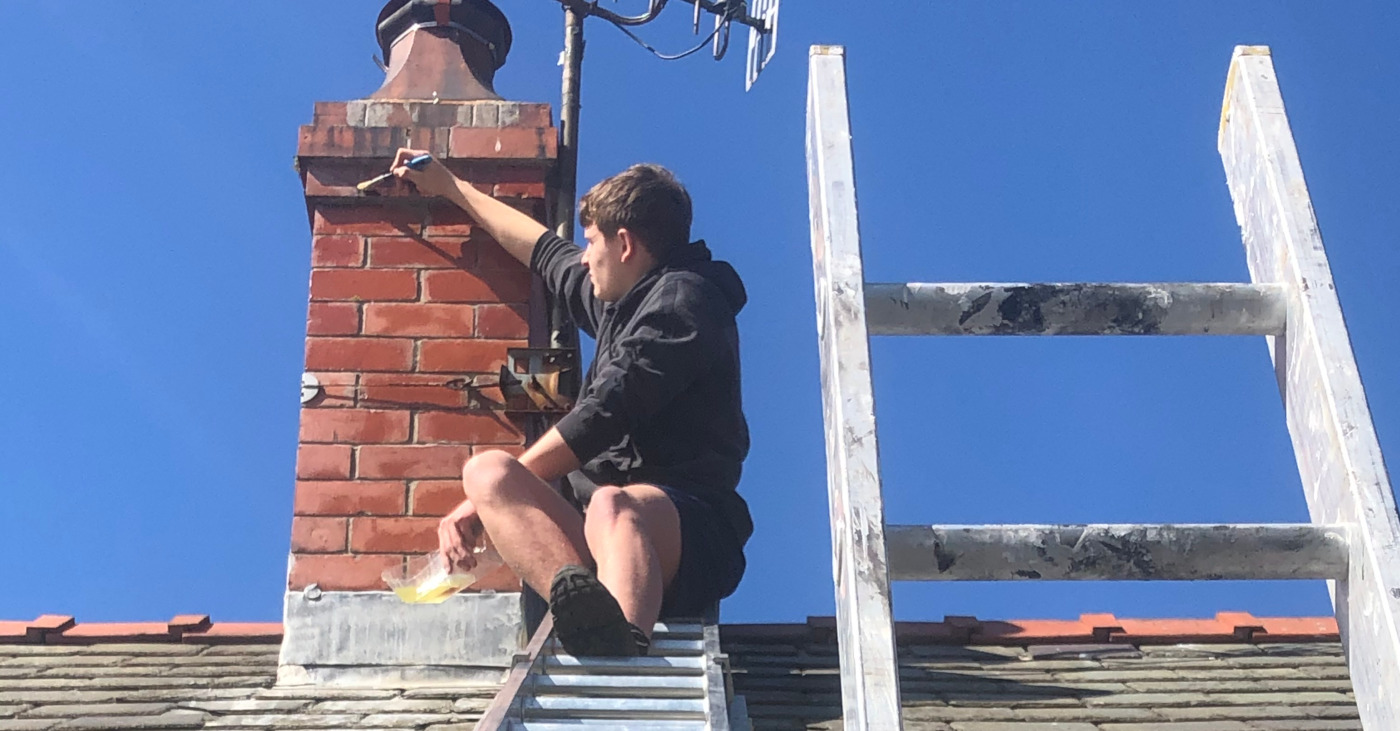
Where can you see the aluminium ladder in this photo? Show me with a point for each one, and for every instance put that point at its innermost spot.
(1354, 537)
(682, 685)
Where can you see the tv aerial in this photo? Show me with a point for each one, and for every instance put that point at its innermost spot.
(761, 17)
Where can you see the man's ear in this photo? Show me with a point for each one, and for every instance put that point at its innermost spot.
(630, 245)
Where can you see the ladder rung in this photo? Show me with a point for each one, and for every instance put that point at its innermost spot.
(624, 666)
(667, 709)
(678, 630)
(1075, 309)
(611, 724)
(659, 647)
(652, 686)
(1131, 552)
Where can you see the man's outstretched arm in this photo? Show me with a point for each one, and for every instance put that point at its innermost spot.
(558, 265)
(516, 232)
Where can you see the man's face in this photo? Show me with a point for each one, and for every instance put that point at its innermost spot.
(603, 259)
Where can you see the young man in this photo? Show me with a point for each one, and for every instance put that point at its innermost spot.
(658, 427)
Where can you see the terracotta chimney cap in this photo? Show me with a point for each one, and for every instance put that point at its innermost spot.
(478, 19)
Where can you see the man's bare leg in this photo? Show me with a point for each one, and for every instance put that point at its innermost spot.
(535, 530)
(634, 533)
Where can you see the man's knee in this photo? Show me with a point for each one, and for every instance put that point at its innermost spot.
(610, 505)
(484, 474)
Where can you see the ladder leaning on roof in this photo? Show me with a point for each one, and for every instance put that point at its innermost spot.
(682, 685)
(1354, 537)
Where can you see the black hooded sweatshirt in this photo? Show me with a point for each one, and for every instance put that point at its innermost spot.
(661, 402)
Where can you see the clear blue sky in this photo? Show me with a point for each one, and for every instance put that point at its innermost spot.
(154, 256)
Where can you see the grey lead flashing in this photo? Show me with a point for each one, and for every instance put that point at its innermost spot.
(369, 638)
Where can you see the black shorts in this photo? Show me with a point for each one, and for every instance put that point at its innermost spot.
(712, 558)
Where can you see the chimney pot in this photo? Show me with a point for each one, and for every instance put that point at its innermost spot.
(446, 50)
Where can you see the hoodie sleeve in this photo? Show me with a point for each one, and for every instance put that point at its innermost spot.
(667, 347)
(558, 263)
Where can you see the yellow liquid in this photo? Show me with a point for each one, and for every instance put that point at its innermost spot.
(436, 592)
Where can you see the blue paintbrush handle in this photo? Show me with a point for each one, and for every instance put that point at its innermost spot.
(420, 162)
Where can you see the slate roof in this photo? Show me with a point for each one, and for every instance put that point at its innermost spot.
(186, 686)
(1098, 674)
(1233, 673)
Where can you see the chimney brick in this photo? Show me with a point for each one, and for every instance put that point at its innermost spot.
(393, 535)
(420, 320)
(333, 318)
(437, 252)
(502, 321)
(337, 250)
(353, 497)
(434, 497)
(318, 535)
(407, 294)
(413, 461)
(340, 571)
(354, 426)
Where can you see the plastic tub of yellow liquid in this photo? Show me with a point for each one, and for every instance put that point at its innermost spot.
(430, 580)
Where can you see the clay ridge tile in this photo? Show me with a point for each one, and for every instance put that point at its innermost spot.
(1225, 627)
(53, 629)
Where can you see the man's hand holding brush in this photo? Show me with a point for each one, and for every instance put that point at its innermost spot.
(427, 174)
(513, 230)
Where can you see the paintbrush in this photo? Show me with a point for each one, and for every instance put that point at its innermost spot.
(417, 163)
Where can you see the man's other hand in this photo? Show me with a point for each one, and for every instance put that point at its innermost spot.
(433, 179)
(458, 533)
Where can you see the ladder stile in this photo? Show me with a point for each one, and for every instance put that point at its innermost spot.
(869, 673)
(717, 690)
(1334, 440)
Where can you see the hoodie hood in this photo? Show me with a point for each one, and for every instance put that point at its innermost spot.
(696, 257)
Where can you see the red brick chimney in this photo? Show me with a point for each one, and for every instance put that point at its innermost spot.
(409, 304)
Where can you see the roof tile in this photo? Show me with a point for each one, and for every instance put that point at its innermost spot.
(65, 710)
(169, 720)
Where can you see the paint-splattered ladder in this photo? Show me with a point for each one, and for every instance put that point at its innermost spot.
(1354, 539)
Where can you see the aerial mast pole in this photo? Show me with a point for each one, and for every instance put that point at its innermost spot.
(561, 331)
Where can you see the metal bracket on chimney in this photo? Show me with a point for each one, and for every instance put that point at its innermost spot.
(532, 378)
(533, 381)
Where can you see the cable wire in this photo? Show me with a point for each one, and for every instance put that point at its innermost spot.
(669, 56)
(730, 9)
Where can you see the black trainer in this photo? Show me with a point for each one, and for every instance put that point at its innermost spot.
(587, 618)
(640, 637)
